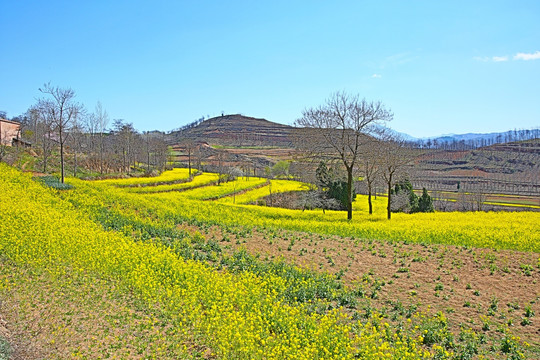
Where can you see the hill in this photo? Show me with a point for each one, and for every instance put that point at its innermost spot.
(236, 130)
(508, 168)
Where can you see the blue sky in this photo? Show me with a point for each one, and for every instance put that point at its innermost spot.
(441, 66)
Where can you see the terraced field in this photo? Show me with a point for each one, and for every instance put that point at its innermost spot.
(202, 272)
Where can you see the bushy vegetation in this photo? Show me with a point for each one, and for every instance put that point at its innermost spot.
(333, 185)
(405, 199)
(54, 182)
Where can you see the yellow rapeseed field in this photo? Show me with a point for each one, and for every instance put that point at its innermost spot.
(496, 230)
(237, 315)
(169, 176)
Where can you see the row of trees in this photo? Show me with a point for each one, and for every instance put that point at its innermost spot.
(450, 143)
(57, 123)
(347, 133)
(347, 130)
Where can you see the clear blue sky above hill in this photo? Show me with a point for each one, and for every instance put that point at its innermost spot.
(441, 66)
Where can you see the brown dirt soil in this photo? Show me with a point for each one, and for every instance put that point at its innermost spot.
(469, 281)
(276, 153)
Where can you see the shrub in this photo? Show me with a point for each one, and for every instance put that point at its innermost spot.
(53, 182)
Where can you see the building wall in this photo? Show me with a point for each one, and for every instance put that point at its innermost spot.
(9, 130)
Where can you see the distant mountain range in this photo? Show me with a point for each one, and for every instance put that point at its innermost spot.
(485, 138)
(474, 138)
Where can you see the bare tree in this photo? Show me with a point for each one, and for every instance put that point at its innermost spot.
(221, 158)
(471, 200)
(100, 121)
(337, 129)
(63, 110)
(125, 135)
(89, 124)
(199, 157)
(479, 198)
(189, 147)
(235, 173)
(370, 167)
(76, 142)
(43, 132)
(154, 150)
(440, 201)
(464, 202)
(148, 149)
(395, 157)
(30, 132)
(161, 152)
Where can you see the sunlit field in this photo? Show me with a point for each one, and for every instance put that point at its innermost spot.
(239, 315)
(185, 180)
(235, 306)
(496, 230)
(197, 181)
(167, 177)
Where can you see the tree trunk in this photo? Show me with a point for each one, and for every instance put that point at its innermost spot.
(62, 156)
(75, 165)
(45, 150)
(44, 162)
(128, 157)
(123, 160)
(388, 211)
(189, 162)
(101, 153)
(349, 193)
(369, 200)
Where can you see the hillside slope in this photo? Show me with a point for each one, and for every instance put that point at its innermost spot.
(237, 130)
(501, 168)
